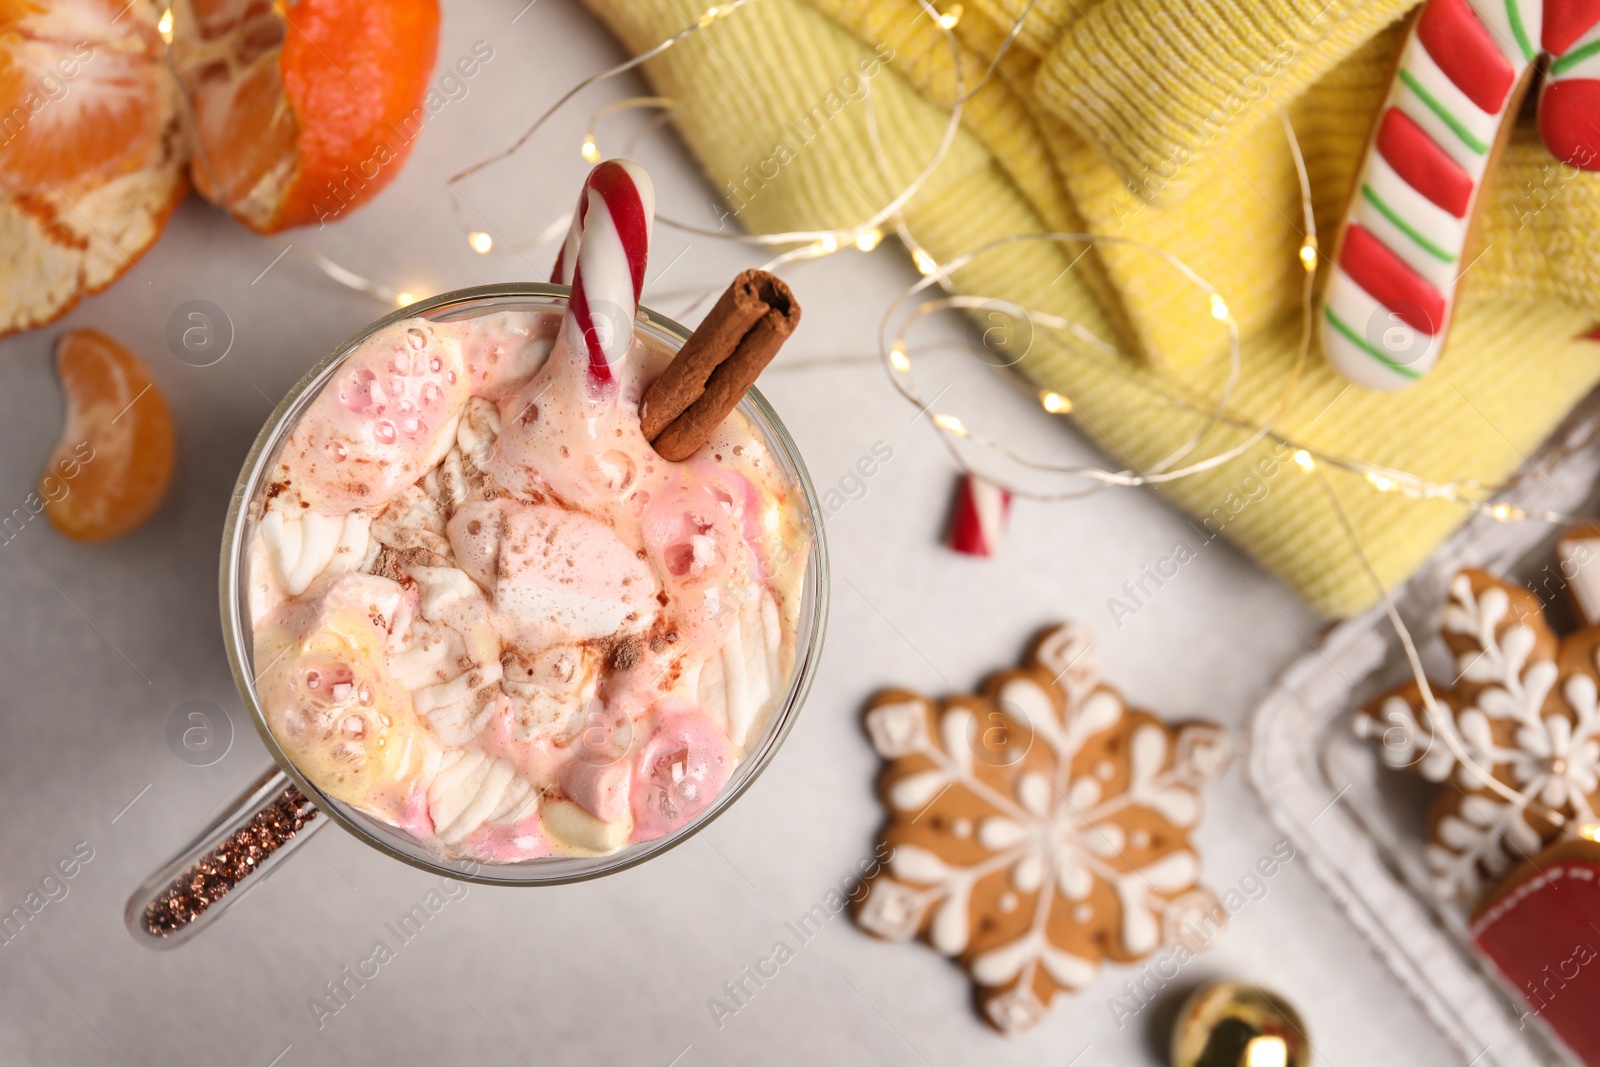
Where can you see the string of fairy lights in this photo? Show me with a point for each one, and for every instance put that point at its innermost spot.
(896, 351)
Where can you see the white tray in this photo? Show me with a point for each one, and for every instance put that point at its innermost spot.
(1360, 825)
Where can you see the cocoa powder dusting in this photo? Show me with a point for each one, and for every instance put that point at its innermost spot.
(388, 566)
(626, 655)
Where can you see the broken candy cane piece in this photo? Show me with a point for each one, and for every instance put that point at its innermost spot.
(980, 516)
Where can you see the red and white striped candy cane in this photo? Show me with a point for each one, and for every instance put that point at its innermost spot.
(604, 259)
(980, 516)
(1463, 70)
(567, 256)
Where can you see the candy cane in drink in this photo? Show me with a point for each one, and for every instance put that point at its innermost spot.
(567, 257)
(607, 261)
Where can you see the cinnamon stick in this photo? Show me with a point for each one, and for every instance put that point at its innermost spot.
(718, 364)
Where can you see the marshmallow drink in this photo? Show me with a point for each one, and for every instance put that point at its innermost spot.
(487, 612)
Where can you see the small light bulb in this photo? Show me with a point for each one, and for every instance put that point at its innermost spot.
(480, 242)
(829, 244)
(402, 299)
(711, 15)
(1303, 458)
(925, 263)
(867, 240)
(1589, 831)
(1308, 254)
(1505, 512)
(1054, 402)
(1268, 1050)
(897, 358)
(950, 423)
(590, 151)
(1379, 482)
(1219, 309)
(164, 27)
(949, 19)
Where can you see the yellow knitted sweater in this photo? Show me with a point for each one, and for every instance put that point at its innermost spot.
(1159, 120)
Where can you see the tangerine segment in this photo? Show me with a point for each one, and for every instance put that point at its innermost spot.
(114, 461)
(76, 87)
(302, 111)
(227, 53)
(91, 149)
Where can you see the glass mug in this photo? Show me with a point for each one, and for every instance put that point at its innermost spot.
(283, 809)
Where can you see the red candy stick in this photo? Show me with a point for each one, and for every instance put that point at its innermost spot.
(604, 258)
(980, 516)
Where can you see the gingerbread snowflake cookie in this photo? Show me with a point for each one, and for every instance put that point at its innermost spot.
(1517, 736)
(1039, 828)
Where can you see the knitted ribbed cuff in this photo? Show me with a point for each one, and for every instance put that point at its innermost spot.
(1162, 86)
(1042, 22)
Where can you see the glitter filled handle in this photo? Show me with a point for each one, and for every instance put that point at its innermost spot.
(234, 855)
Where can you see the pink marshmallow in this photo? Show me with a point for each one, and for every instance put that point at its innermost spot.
(681, 770)
(564, 576)
(524, 840)
(386, 417)
(698, 531)
(598, 786)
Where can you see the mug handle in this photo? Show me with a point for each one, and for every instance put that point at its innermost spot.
(230, 858)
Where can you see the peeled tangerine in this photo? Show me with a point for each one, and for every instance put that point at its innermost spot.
(303, 110)
(330, 700)
(91, 149)
(114, 461)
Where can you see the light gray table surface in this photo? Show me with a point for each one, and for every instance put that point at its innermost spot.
(103, 642)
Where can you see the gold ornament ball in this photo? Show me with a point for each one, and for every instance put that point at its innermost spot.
(1232, 1024)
